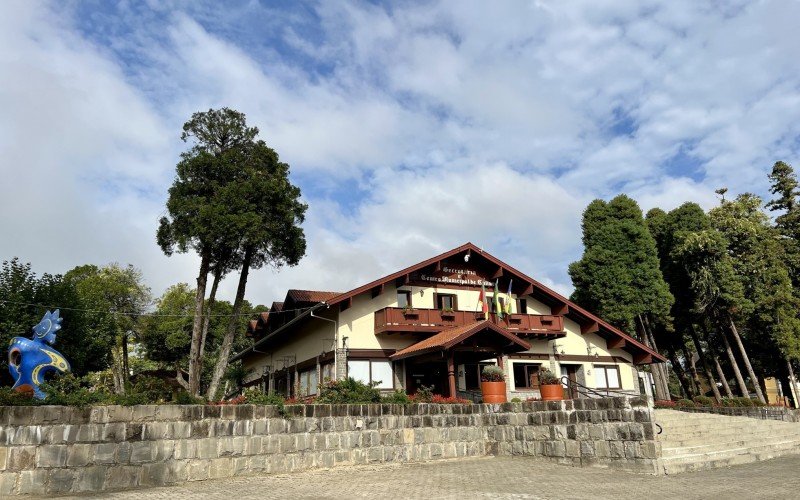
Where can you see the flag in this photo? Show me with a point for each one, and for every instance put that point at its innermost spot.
(497, 309)
(484, 307)
(508, 298)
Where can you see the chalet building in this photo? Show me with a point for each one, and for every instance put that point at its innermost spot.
(426, 326)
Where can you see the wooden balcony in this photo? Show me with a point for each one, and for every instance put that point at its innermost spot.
(398, 320)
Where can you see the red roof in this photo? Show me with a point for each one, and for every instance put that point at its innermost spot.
(452, 336)
(309, 296)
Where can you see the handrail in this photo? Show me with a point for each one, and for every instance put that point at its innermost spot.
(586, 391)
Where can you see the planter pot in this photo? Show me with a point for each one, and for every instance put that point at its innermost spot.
(552, 392)
(494, 392)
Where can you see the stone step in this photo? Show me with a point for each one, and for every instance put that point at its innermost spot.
(668, 450)
(672, 436)
(713, 440)
(696, 462)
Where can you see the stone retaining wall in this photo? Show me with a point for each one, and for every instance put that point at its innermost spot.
(53, 450)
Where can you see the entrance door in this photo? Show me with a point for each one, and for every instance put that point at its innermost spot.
(430, 374)
(571, 392)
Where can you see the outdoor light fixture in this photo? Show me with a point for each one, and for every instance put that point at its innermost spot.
(466, 257)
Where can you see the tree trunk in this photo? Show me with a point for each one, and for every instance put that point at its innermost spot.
(693, 371)
(125, 366)
(658, 377)
(704, 362)
(195, 361)
(212, 298)
(734, 365)
(117, 370)
(793, 383)
(179, 377)
(722, 378)
(680, 372)
(660, 367)
(746, 359)
(230, 332)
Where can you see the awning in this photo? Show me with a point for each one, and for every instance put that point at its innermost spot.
(501, 339)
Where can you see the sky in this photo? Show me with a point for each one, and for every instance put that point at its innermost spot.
(410, 127)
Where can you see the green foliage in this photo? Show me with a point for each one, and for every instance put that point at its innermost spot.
(546, 377)
(348, 390)
(424, 394)
(69, 390)
(516, 400)
(10, 397)
(704, 401)
(685, 403)
(618, 275)
(184, 398)
(398, 397)
(492, 373)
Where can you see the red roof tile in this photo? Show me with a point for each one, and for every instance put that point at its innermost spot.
(452, 336)
(310, 295)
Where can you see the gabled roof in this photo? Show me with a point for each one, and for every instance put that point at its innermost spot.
(452, 336)
(588, 321)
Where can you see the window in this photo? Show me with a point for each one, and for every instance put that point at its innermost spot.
(369, 371)
(446, 302)
(403, 298)
(522, 306)
(308, 382)
(607, 377)
(328, 372)
(526, 376)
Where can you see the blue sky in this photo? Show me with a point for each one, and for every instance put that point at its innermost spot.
(411, 127)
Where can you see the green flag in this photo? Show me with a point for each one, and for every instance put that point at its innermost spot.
(497, 309)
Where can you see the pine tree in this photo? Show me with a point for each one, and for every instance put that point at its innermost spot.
(618, 275)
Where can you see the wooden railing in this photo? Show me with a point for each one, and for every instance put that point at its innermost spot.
(395, 319)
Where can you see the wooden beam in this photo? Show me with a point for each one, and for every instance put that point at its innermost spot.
(438, 266)
(528, 289)
(642, 358)
(615, 343)
(378, 290)
(345, 304)
(559, 310)
(592, 327)
(498, 273)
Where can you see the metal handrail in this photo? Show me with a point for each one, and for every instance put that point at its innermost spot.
(586, 391)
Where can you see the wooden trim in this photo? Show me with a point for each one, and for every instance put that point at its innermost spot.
(642, 358)
(606, 368)
(592, 327)
(526, 355)
(378, 290)
(370, 353)
(559, 310)
(615, 343)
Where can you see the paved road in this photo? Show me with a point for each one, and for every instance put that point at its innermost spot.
(496, 477)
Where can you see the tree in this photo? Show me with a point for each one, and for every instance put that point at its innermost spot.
(197, 218)
(269, 217)
(114, 297)
(618, 275)
(24, 298)
(668, 229)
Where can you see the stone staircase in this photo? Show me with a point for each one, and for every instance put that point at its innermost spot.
(697, 441)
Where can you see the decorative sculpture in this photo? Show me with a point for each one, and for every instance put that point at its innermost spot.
(30, 360)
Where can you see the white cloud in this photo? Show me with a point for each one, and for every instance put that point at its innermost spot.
(494, 123)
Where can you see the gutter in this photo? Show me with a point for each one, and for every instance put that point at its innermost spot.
(279, 330)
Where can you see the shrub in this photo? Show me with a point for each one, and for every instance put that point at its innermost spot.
(450, 400)
(398, 397)
(516, 400)
(255, 396)
(348, 390)
(546, 377)
(10, 397)
(184, 398)
(664, 403)
(492, 373)
(423, 395)
(704, 401)
(685, 403)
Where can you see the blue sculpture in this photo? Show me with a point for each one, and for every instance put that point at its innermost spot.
(29, 360)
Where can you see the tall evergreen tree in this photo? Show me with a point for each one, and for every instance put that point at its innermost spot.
(618, 275)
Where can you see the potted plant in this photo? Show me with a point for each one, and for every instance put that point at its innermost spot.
(493, 384)
(550, 386)
(409, 311)
(448, 312)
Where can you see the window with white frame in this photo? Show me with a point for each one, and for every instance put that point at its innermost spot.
(371, 371)
(607, 377)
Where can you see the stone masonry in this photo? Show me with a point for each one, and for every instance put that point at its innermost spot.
(54, 450)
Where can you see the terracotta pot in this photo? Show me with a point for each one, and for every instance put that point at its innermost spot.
(552, 392)
(494, 392)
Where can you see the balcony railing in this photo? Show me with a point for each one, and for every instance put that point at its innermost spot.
(395, 320)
